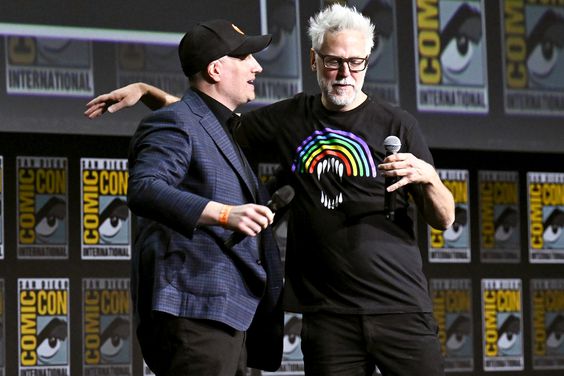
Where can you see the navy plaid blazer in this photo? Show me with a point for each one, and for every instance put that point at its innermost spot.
(180, 158)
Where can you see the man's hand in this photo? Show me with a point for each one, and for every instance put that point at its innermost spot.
(249, 219)
(434, 200)
(408, 169)
(114, 101)
(128, 96)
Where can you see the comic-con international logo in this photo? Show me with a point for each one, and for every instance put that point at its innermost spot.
(42, 207)
(499, 215)
(105, 215)
(547, 300)
(451, 55)
(106, 327)
(43, 325)
(502, 325)
(48, 66)
(546, 216)
(452, 311)
(453, 244)
(533, 45)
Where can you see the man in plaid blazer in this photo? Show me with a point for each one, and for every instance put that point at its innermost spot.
(196, 295)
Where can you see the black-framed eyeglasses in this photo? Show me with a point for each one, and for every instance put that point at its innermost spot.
(356, 64)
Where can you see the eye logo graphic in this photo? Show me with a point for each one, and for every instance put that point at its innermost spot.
(456, 236)
(553, 229)
(50, 220)
(458, 334)
(52, 340)
(555, 335)
(460, 43)
(115, 340)
(113, 221)
(545, 50)
(329, 156)
(509, 335)
(292, 339)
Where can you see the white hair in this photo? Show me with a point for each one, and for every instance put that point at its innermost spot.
(337, 18)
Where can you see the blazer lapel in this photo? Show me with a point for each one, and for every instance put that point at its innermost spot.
(212, 126)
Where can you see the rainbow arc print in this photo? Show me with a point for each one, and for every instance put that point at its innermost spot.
(350, 150)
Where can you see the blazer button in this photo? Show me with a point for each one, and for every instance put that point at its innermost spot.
(259, 262)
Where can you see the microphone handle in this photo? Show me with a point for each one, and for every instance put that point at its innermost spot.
(233, 239)
(389, 197)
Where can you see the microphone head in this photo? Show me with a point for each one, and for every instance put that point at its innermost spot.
(281, 198)
(392, 144)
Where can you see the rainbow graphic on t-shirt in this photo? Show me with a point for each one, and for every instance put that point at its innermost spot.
(348, 148)
(331, 152)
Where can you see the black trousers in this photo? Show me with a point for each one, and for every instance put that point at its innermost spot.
(353, 345)
(177, 346)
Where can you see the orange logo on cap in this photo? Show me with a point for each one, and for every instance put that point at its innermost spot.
(237, 29)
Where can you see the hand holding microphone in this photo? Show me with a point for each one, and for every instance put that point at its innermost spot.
(281, 198)
(401, 169)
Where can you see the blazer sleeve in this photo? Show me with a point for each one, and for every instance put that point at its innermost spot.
(159, 158)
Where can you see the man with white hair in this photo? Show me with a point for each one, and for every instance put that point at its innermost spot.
(353, 272)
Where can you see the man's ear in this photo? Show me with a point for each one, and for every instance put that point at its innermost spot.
(214, 71)
(312, 60)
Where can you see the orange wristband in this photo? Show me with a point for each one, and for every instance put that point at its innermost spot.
(224, 214)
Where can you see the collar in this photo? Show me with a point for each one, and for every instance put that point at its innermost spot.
(221, 112)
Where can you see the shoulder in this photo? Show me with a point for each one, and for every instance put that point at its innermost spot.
(281, 107)
(182, 111)
(391, 113)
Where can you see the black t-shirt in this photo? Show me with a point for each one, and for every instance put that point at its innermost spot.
(342, 254)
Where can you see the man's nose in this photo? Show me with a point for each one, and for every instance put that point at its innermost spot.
(344, 69)
(257, 68)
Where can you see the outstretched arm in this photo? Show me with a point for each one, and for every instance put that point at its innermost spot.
(128, 96)
(433, 199)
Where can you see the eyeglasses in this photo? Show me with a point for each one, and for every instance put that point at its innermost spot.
(355, 64)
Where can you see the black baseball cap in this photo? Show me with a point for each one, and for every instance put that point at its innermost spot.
(210, 40)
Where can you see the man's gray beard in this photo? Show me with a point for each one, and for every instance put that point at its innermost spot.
(335, 99)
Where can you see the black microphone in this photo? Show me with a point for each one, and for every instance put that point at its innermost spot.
(280, 199)
(392, 144)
